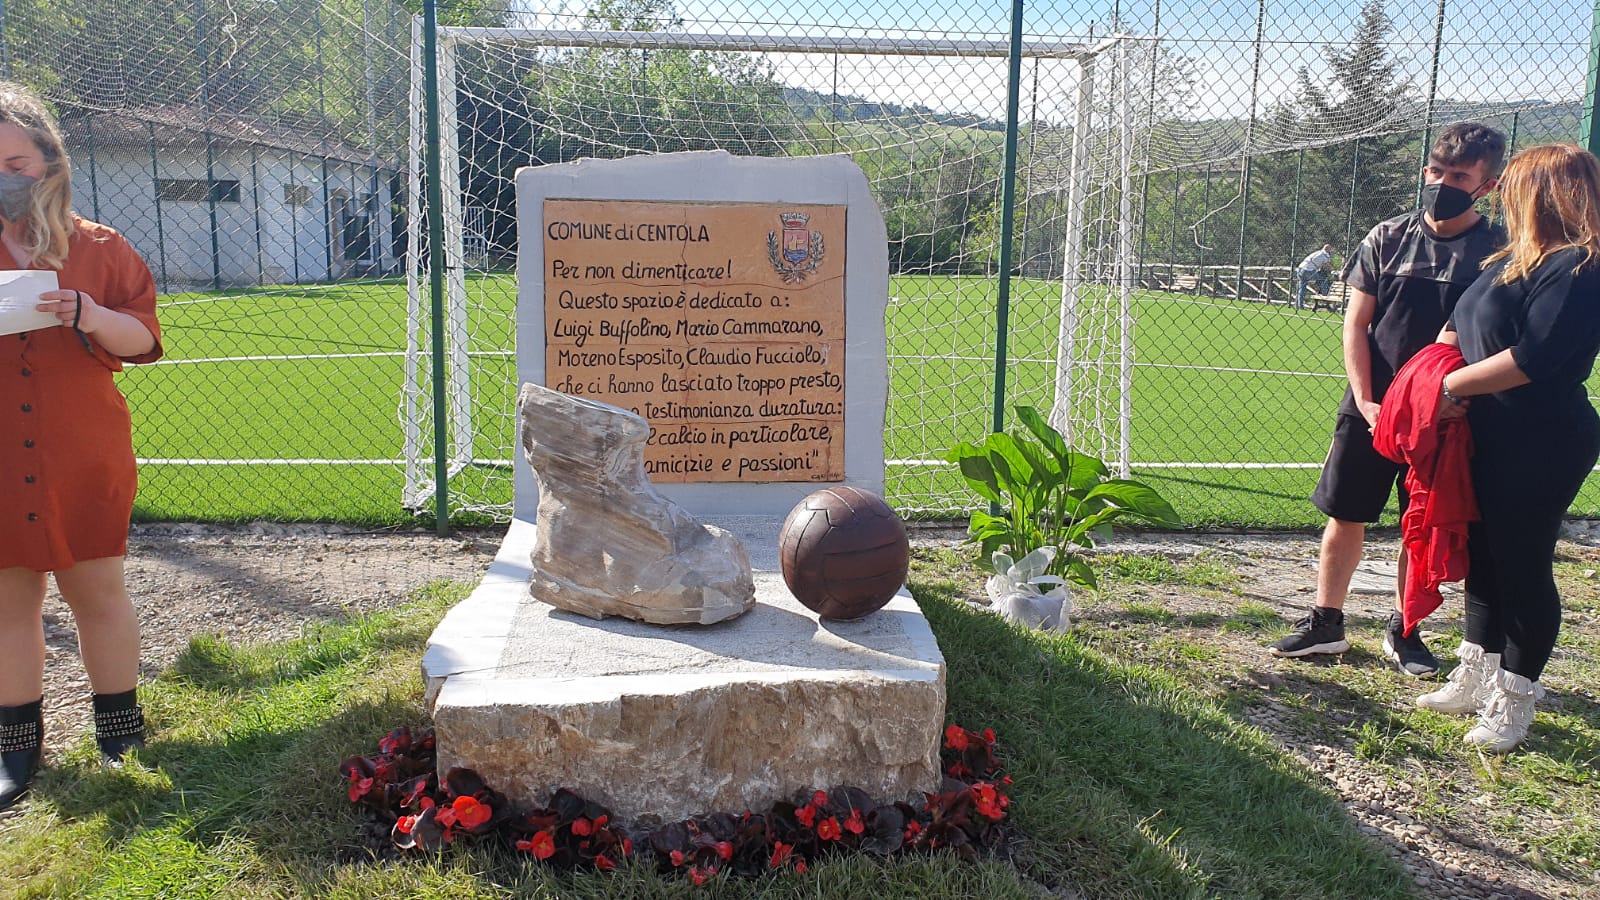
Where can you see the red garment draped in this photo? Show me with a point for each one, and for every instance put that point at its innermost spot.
(1439, 480)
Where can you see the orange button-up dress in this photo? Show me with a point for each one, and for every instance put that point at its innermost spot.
(67, 475)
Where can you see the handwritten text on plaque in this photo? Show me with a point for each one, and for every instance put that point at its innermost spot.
(720, 323)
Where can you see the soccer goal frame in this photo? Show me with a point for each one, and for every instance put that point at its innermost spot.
(417, 409)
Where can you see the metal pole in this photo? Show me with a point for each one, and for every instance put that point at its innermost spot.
(328, 226)
(155, 182)
(94, 184)
(255, 207)
(375, 257)
(1249, 144)
(294, 223)
(1433, 90)
(1149, 130)
(1350, 213)
(1294, 226)
(1072, 253)
(1199, 237)
(205, 113)
(1008, 201)
(1172, 243)
(1591, 87)
(441, 431)
(1125, 263)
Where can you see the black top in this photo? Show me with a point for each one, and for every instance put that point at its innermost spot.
(1550, 320)
(1417, 277)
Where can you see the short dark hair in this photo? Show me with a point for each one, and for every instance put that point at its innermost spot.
(1465, 143)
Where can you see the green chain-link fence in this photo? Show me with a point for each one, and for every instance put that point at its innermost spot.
(1173, 163)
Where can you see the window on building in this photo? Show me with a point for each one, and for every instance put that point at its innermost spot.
(198, 190)
(296, 194)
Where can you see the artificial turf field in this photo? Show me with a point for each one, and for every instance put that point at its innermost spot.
(256, 382)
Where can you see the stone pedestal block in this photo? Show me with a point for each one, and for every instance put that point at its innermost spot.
(673, 722)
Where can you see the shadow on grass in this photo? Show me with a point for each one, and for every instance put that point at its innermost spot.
(1127, 782)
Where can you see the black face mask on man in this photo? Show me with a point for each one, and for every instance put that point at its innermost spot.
(1445, 202)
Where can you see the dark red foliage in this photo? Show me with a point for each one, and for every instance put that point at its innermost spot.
(966, 816)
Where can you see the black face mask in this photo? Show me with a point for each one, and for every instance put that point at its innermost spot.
(1445, 202)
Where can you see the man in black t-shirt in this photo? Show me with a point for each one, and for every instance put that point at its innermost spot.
(1404, 282)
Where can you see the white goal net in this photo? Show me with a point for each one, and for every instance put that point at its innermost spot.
(923, 117)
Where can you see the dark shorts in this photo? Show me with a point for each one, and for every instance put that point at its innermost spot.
(1357, 480)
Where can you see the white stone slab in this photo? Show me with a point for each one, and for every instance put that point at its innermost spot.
(672, 722)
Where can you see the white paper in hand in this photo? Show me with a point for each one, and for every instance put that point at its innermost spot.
(19, 294)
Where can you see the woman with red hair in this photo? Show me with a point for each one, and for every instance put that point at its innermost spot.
(1529, 330)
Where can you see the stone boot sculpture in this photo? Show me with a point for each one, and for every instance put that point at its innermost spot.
(609, 544)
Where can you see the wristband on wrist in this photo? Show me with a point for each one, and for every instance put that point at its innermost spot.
(1450, 395)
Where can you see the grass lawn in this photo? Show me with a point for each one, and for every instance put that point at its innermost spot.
(1131, 780)
(315, 373)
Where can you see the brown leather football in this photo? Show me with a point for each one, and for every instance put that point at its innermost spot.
(843, 552)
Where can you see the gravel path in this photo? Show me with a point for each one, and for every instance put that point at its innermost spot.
(249, 583)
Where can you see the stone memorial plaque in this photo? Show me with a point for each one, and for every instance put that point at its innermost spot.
(722, 324)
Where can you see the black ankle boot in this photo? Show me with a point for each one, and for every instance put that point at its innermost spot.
(118, 724)
(21, 738)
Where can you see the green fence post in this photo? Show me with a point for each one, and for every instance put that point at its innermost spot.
(155, 187)
(94, 184)
(294, 221)
(328, 218)
(435, 192)
(1008, 202)
(1591, 87)
(255, 207)
(205, 114)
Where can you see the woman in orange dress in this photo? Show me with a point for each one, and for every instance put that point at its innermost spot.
(67, 476)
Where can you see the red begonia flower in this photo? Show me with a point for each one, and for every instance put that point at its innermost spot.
(698, 875)
(955, 737)
(828, 829)
(541, 845)
(854, 825)
(780, 854)
(582, 826)
(806, 815)
(470, 813)
(603, 863)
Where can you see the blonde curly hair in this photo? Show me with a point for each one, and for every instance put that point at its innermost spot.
(49, 222)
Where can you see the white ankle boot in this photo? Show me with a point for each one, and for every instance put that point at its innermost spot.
(1467, 690)
(1507, 714)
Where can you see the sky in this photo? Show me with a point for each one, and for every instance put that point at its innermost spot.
(1489, 51)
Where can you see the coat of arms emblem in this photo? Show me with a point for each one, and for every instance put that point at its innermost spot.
(796, 253)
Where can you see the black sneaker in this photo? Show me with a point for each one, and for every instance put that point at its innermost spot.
(1320, 632)
(1409, 653)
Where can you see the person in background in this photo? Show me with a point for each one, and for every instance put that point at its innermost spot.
(67, 476)
(1404, 280)
(1316, 272)
(1529, 330)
